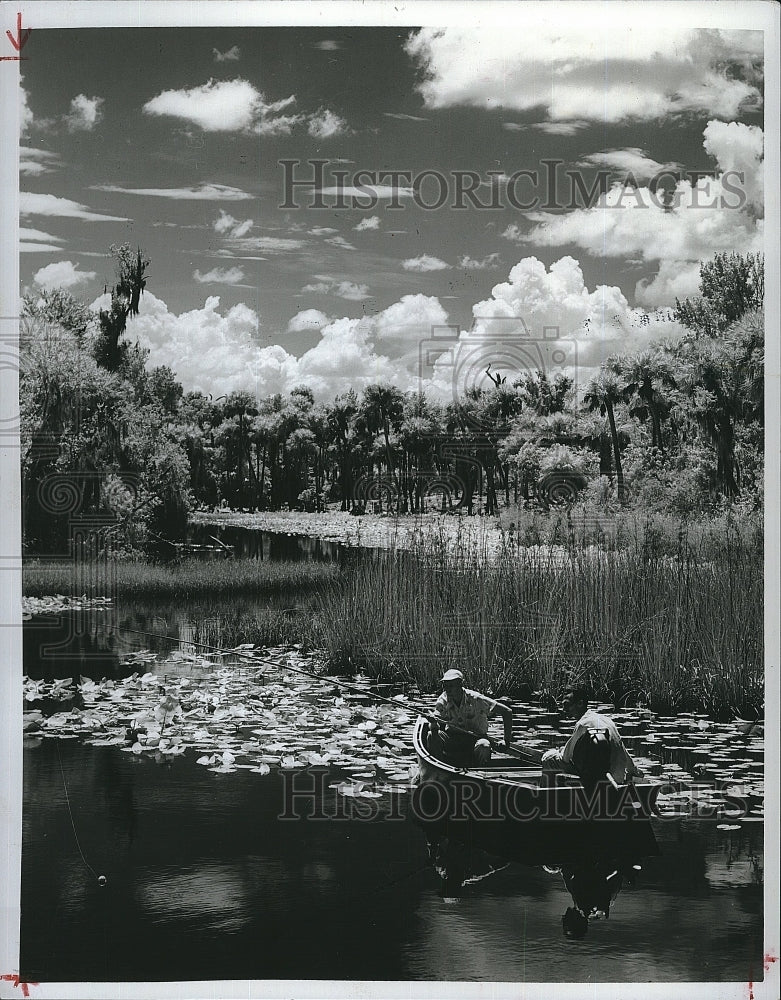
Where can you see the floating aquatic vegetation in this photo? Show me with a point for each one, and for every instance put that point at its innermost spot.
(57, 603)
(250, 709)
(234, 715)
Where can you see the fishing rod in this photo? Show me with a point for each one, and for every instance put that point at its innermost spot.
(526, 754)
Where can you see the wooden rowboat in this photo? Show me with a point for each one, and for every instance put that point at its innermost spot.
(502, 808)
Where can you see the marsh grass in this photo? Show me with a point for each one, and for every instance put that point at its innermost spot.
(670, 618)
(188, 578)
(675, 633)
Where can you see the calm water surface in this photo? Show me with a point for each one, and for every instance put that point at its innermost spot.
(203, 882)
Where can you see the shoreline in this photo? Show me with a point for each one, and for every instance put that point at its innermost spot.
(366, 530)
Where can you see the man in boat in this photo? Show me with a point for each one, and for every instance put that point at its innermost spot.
(469, 711)
(595, 750)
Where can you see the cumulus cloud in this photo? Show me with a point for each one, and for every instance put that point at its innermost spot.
(219, 106)
(346, 356)
(627, 222)
(740, 148)
(675, 279)
(85, 113)
(51, 205)
(424, 263)
(226, 225)
(220, 276)
(326, 124)
(409, 319)
(632, 161)
(307, 319)
(370, 222)
(33, 161)
(491, 260)
(62, 274)
(547, 319)
(209, 350)
(25, 114)
(543, 317)
(704, 218)
(233, 54)
(218, 352)
(326, 285)
(651, 68)
(238, 106)
(203, 192)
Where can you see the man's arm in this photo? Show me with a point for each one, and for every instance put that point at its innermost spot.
(503, 709)
(564, 754)
(437, 717)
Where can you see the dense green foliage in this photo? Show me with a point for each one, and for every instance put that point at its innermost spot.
(112, 445)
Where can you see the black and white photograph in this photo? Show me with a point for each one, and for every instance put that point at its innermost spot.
(389, 551)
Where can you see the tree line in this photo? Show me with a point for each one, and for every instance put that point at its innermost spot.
(114, 446)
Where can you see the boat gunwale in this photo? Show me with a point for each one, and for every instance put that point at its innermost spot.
(474, 772)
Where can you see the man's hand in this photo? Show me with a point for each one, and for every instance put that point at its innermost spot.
(551, 755)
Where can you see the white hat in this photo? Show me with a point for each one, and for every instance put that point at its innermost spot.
(452, 675)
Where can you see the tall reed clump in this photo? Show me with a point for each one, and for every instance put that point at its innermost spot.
(675, 633)
(188, 578)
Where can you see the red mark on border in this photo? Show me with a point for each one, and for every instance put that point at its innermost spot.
(767, 961)
(18, 984)
(22, 38)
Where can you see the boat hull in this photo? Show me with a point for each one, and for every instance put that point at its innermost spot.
(508, 814)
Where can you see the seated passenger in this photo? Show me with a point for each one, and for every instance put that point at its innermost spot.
(595, 748)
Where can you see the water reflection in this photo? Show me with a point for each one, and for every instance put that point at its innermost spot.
(593, 884)
(266, 546)
(94, 642)
(204, 882)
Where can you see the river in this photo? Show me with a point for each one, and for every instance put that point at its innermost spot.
(204, 880)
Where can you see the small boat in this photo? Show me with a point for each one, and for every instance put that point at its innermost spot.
(503, 808)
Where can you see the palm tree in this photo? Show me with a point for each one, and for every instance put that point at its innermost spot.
(647, 377)
(382, 406)
(604, 392)
(722, 385)
(340, 416)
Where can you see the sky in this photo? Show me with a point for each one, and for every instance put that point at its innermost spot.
(173, 140)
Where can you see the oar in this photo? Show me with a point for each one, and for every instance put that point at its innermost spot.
(526, 754)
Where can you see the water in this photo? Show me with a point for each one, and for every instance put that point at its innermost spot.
(266, 546)
(204, 882)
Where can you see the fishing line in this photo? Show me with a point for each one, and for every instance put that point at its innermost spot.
(101, 879)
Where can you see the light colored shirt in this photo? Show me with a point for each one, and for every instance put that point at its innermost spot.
(471, 714)
(621, 764)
